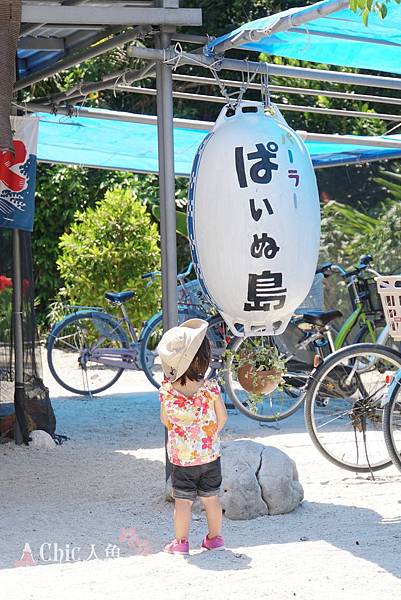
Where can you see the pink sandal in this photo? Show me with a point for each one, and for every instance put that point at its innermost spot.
(177, 547)
(215, 543)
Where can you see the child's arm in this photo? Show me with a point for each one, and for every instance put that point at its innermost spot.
(163, 416)
(221, 412)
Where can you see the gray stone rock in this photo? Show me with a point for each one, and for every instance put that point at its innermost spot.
(257, 480)
(278, 479)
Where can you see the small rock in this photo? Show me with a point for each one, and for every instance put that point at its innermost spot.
(41, 439)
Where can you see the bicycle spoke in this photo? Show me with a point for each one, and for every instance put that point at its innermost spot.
(343, 409)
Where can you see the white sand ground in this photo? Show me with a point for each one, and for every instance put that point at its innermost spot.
(343, 542)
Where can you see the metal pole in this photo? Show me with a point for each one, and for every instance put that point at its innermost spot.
(17, 329)
(283, 107)
(301, 91)
(108, 82)
(27, 29)
(245, 66)
(113, 115)
(383, 141)
(162, 185)
(168, 242)
(78, 57)
(167, 197)
(353, 140)
(283, 22)
(18, 338)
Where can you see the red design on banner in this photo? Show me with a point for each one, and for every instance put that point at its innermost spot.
(11, 179)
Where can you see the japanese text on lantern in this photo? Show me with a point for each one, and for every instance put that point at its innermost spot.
(265, 289)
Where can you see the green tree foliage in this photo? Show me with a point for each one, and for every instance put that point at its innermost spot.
(347, 234)
(61, 191)
(108, 248)
(366, 7)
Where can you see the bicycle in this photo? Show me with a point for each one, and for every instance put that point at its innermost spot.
(390, 291)
(308, 341)
(344, 406)
(88, 350)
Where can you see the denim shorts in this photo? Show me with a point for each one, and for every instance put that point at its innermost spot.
(196, 480)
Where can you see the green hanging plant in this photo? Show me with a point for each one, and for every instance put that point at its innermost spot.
(258, 369)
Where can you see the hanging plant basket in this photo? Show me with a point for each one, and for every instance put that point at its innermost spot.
(258, 382)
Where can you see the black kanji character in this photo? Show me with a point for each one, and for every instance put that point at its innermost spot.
(264, 244)
(265, 291)
(257, 213)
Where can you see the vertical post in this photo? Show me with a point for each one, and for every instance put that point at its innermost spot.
(19, 390)
(18, 338)
(167, 188)
(168, 242)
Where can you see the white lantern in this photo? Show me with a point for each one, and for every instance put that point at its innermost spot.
(254, 219)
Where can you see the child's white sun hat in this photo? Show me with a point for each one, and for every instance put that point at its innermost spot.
(179, 345)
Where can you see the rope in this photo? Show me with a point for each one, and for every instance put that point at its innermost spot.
(264, 82)
(233, 98)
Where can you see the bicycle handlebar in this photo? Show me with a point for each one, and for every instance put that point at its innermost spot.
(328, 269)
(183, 275)
(152, 274)
(187, 272)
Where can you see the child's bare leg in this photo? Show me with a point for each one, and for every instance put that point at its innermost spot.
(182, 517)
(214, 514)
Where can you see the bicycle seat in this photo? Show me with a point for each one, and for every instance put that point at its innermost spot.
(321, 317)
(118, 296)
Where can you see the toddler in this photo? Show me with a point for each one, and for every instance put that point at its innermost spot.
(194, 413)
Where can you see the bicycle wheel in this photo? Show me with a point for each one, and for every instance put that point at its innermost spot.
(343, 412)
(153, 331)
(275, 406)
(392, 423)
(70, 348)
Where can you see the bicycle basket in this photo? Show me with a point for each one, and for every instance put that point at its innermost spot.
(315, 298)
(191, 294)
(389, 290)
(367, 291)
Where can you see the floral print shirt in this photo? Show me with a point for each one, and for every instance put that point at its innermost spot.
(192, 424)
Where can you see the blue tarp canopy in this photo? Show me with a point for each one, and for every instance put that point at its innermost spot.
(339, 39)
(113, 144)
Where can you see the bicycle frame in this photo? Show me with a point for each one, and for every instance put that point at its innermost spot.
(357, 315)
(117, 358)
(351, 321)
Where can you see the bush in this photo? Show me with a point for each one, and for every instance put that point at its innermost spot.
(107, 249)
(60, 192)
